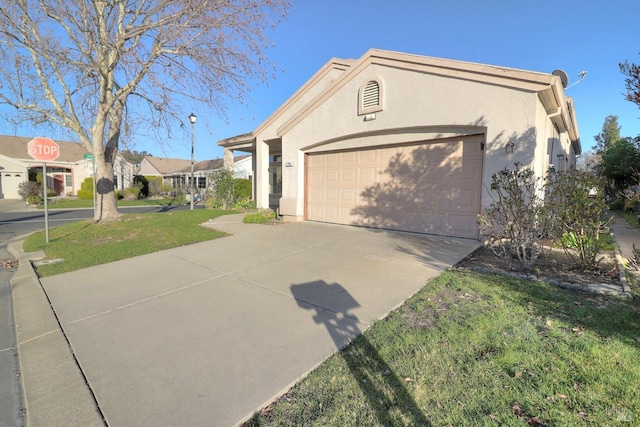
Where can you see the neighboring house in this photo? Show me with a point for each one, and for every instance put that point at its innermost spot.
(406, 142)
(64, 175)
(176, 173)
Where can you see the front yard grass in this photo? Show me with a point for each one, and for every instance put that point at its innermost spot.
(64, 203)
(478, 349)
(85, 243)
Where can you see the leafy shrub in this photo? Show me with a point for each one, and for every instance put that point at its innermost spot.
(222, 189)
(133, 192)
(139, 179)
(85, 195)
(34, 200)
(616, 205)
(212, 203)
(154, 184)
(261, 217)
(516, 219)
(242, 188)
(576, 208)
(245, 204)
(28, 189)
(86, 189)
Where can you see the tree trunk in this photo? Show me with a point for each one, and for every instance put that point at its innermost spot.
(106, 208)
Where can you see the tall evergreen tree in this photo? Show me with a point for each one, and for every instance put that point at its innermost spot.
(610, 134)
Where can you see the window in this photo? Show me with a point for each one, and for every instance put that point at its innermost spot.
(202, 182)
(275, 174)
(370, 97)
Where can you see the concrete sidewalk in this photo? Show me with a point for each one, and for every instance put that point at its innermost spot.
(626, 236)
(206, 334)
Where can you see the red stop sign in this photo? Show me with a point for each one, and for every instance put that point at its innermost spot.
(43, 149)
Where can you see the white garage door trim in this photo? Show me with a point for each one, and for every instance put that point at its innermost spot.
(431, 187)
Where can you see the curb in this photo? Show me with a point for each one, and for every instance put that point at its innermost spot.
(55, 392)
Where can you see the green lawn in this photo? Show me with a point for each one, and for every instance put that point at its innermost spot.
(474, 349)
(75, 203)
(85, 243)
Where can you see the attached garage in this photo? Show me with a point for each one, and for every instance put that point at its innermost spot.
(425, 187)
(10, 184)
(407, 142)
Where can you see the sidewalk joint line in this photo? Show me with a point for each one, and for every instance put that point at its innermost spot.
(143, 300)
(75, 358)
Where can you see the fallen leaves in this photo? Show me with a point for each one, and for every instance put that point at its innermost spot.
(9, 263)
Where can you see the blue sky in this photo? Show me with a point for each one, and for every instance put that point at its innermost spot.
(542, 35)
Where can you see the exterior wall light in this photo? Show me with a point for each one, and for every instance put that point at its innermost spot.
(509, 147)
(560, 157)
(369, 117)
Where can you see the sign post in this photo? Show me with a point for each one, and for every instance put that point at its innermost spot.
(44, 149)
(93, 171)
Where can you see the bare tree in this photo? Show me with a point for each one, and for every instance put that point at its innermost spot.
(632, 82)
(103, 67)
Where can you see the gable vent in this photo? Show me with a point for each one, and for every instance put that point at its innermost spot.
(371, 95)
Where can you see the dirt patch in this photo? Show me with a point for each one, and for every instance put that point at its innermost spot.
(551, 264)
(427, 315)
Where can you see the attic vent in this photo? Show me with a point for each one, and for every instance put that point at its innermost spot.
(370, 97)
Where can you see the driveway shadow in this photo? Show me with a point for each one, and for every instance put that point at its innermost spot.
(386, 398)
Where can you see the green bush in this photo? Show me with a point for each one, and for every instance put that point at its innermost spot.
(85, 195)
(222, 188)
(212, 203)
(242, 188)
(616, 205)
(86, 189)
(576, 209)
(34, 200)
(261, 217)
(133, 192)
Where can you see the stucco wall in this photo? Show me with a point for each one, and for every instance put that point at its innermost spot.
(242, 168)
(418, 107)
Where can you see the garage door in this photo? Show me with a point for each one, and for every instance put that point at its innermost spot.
(428, 187)
(10, 184)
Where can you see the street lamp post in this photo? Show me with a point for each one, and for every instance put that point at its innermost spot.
(192, 119)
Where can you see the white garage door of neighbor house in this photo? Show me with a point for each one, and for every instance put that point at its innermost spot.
(427, 187)
(10, 184)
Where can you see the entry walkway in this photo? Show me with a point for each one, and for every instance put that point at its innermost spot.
(205, 334)
(626, 236)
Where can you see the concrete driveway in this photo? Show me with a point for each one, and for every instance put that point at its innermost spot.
(205, 334)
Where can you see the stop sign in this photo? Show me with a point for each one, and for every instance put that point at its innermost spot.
(43, 149)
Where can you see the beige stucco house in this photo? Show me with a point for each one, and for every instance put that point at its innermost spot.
(406, 142)
(64, 175)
